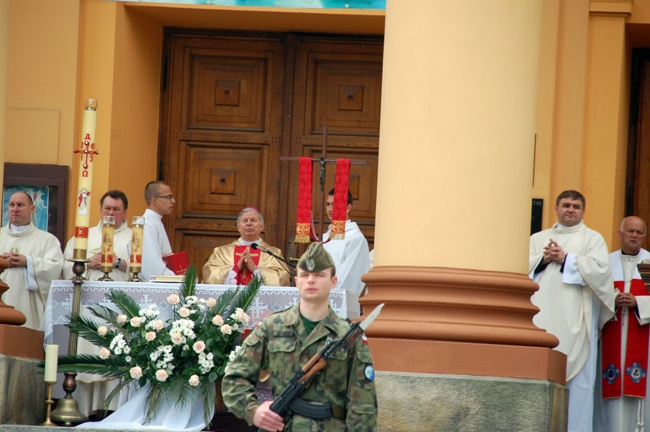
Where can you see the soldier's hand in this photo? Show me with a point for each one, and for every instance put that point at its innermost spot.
(266, 419)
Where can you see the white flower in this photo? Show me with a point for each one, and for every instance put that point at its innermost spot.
(194, 380)
(198, 347)
(173, 299)
(226, 329)
(136, 321)
(150, 336)
(102, 330)
(241, 316)
(211, 302)
(217, 320)
(121, 318)
(104, 353)
(157, 324)
(136, 372)
(161, 375)
(184, 312)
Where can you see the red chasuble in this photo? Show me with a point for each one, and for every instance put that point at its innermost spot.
(631, 375)
(245, 276)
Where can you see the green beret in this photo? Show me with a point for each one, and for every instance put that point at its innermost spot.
(315, 259)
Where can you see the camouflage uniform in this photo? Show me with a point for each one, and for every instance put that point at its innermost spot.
(282, 340)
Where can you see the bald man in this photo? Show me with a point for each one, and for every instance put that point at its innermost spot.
(621, 403)
(35, 259)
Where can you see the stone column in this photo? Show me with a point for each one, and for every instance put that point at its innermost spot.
(453, 221)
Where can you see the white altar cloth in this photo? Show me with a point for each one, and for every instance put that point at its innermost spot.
(59, 301)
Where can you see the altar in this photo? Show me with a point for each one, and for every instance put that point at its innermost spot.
(59, 302)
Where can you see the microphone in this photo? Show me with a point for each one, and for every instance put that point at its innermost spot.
(265, 250)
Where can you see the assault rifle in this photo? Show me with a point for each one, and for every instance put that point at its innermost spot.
(288, 402)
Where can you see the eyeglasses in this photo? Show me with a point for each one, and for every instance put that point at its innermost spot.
(169, 197)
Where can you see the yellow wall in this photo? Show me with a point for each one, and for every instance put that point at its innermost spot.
(582, 109)
(4, 49)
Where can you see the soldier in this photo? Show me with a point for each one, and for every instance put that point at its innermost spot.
(286, 340)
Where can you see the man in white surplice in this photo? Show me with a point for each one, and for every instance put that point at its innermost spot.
(35, 260)
(621, 402)
(351, 256)
(160, 202)
(570, 262)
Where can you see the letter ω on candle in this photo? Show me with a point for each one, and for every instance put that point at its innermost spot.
(51, 362)
(87, 152)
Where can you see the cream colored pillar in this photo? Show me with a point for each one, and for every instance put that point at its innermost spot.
(454, 191)
(4, 66)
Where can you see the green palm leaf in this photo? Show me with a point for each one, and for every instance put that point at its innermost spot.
(248, 293)
(127, 305)
(88, 363)
(188, 286)
(87, 329)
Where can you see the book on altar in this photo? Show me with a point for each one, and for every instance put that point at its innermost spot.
(177, 262)
(166, 278)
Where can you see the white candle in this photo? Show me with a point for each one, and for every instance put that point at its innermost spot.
(51, 361)
(82, 200)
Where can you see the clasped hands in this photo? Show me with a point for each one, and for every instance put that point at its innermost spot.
(625, 299)
(246, 261)
(95, 261)
(553, 252)
(15, 259)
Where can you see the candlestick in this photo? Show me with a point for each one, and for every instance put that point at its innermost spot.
(137, 239)
(84, 187)
(51, 362)
(108, 234)
(49, 401)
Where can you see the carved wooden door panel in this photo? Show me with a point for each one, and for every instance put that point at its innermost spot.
(222, 130)
(234, 104)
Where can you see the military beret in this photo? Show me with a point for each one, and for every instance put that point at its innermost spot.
(315, 259)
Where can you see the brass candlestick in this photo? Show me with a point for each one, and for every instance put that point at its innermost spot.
(137, 240)
(48, 421)
(67, 410)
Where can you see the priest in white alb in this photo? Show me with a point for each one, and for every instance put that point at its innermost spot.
(570, 262)
(621, 402)
(351, 255)
(237, 263)
(35, 260)
(112, 203)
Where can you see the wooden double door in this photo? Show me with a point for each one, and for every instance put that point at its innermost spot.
(234, 104)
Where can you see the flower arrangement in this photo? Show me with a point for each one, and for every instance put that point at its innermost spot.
(182, 358)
